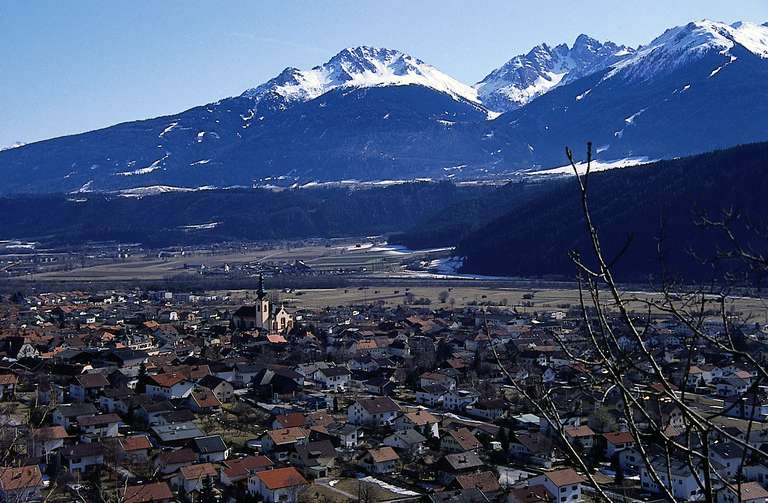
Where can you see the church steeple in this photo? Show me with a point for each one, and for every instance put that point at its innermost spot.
(260, 293)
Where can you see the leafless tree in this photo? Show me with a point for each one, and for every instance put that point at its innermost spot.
(624, 363)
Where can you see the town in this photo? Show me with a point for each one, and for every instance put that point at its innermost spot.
(156, 396)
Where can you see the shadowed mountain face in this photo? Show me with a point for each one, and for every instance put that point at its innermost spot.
(373, 114)
(222, 215)
(659, 203)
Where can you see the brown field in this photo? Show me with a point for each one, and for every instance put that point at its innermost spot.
(544, 300)
(320, 258)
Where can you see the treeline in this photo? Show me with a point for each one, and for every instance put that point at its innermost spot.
(226, 215)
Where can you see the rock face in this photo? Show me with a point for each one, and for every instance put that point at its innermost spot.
(528, 76)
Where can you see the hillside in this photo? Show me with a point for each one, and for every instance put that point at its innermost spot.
(534, 239)
(178, 218)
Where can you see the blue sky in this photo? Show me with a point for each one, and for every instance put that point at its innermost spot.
(73, 66)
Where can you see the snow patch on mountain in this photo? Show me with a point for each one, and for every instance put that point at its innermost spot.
(360, 67)
(168, 129)
(149, 169)
(154, 190)
(581, 167)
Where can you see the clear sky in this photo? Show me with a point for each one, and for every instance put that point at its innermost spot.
(71, 66)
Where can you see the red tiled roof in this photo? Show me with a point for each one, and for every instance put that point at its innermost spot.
(135, 443)
(564, 477)
(619, 437)
(12, 479)
(383, 454)
(240, 468)
(6, 379)
(50, 433)
(292, 420)
(465, 439)
(281, 477)
(146, 493)
(287, 435)
(167, 380)
(487, 482)
(579, 431)
(197, 472)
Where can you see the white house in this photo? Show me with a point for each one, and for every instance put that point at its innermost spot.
(333, 378)
(190, 478)
(563, 485)
(459, 399)
(432, 395)
(282, 485)
(168, 386)
(684, 485)
(378, 411)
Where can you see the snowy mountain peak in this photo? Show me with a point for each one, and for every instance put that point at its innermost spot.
(360, 67)
(683, 44)
(525, 77)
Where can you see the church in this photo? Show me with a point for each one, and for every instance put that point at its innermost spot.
(263, 315)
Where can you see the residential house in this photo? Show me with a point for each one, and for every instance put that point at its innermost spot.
(8, 384)
(582, 436)
(314, 459)
(46, 441)
(82, 457)
(617, 441)
(168, 386)
(684, 484)
(190, 478)
(432, 395)
(460, 440)
(377, 411)
(158, 492)
(134, 449)
(459, 399)
(563, 485)
(381, 461)
(203, 401)
(87, 387)
(21, 484)
(170, 461)
(99, 425)
(420, 420)
(210, 449)
(746, 492)
(451, 466)
(281, 485)
(490, 410)
(486, 482)
(345, 436)
(65, 415)
(282, 441)
(534, 448)
(333, 378)
(221, 388)
(237, 471)
(410, 441)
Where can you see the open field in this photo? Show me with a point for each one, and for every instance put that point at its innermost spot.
(543, 300)
(363, 257)
(375, 273)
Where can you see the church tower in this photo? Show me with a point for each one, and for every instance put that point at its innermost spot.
(263, 308)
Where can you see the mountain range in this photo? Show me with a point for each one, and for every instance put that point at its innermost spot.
(377, 114)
